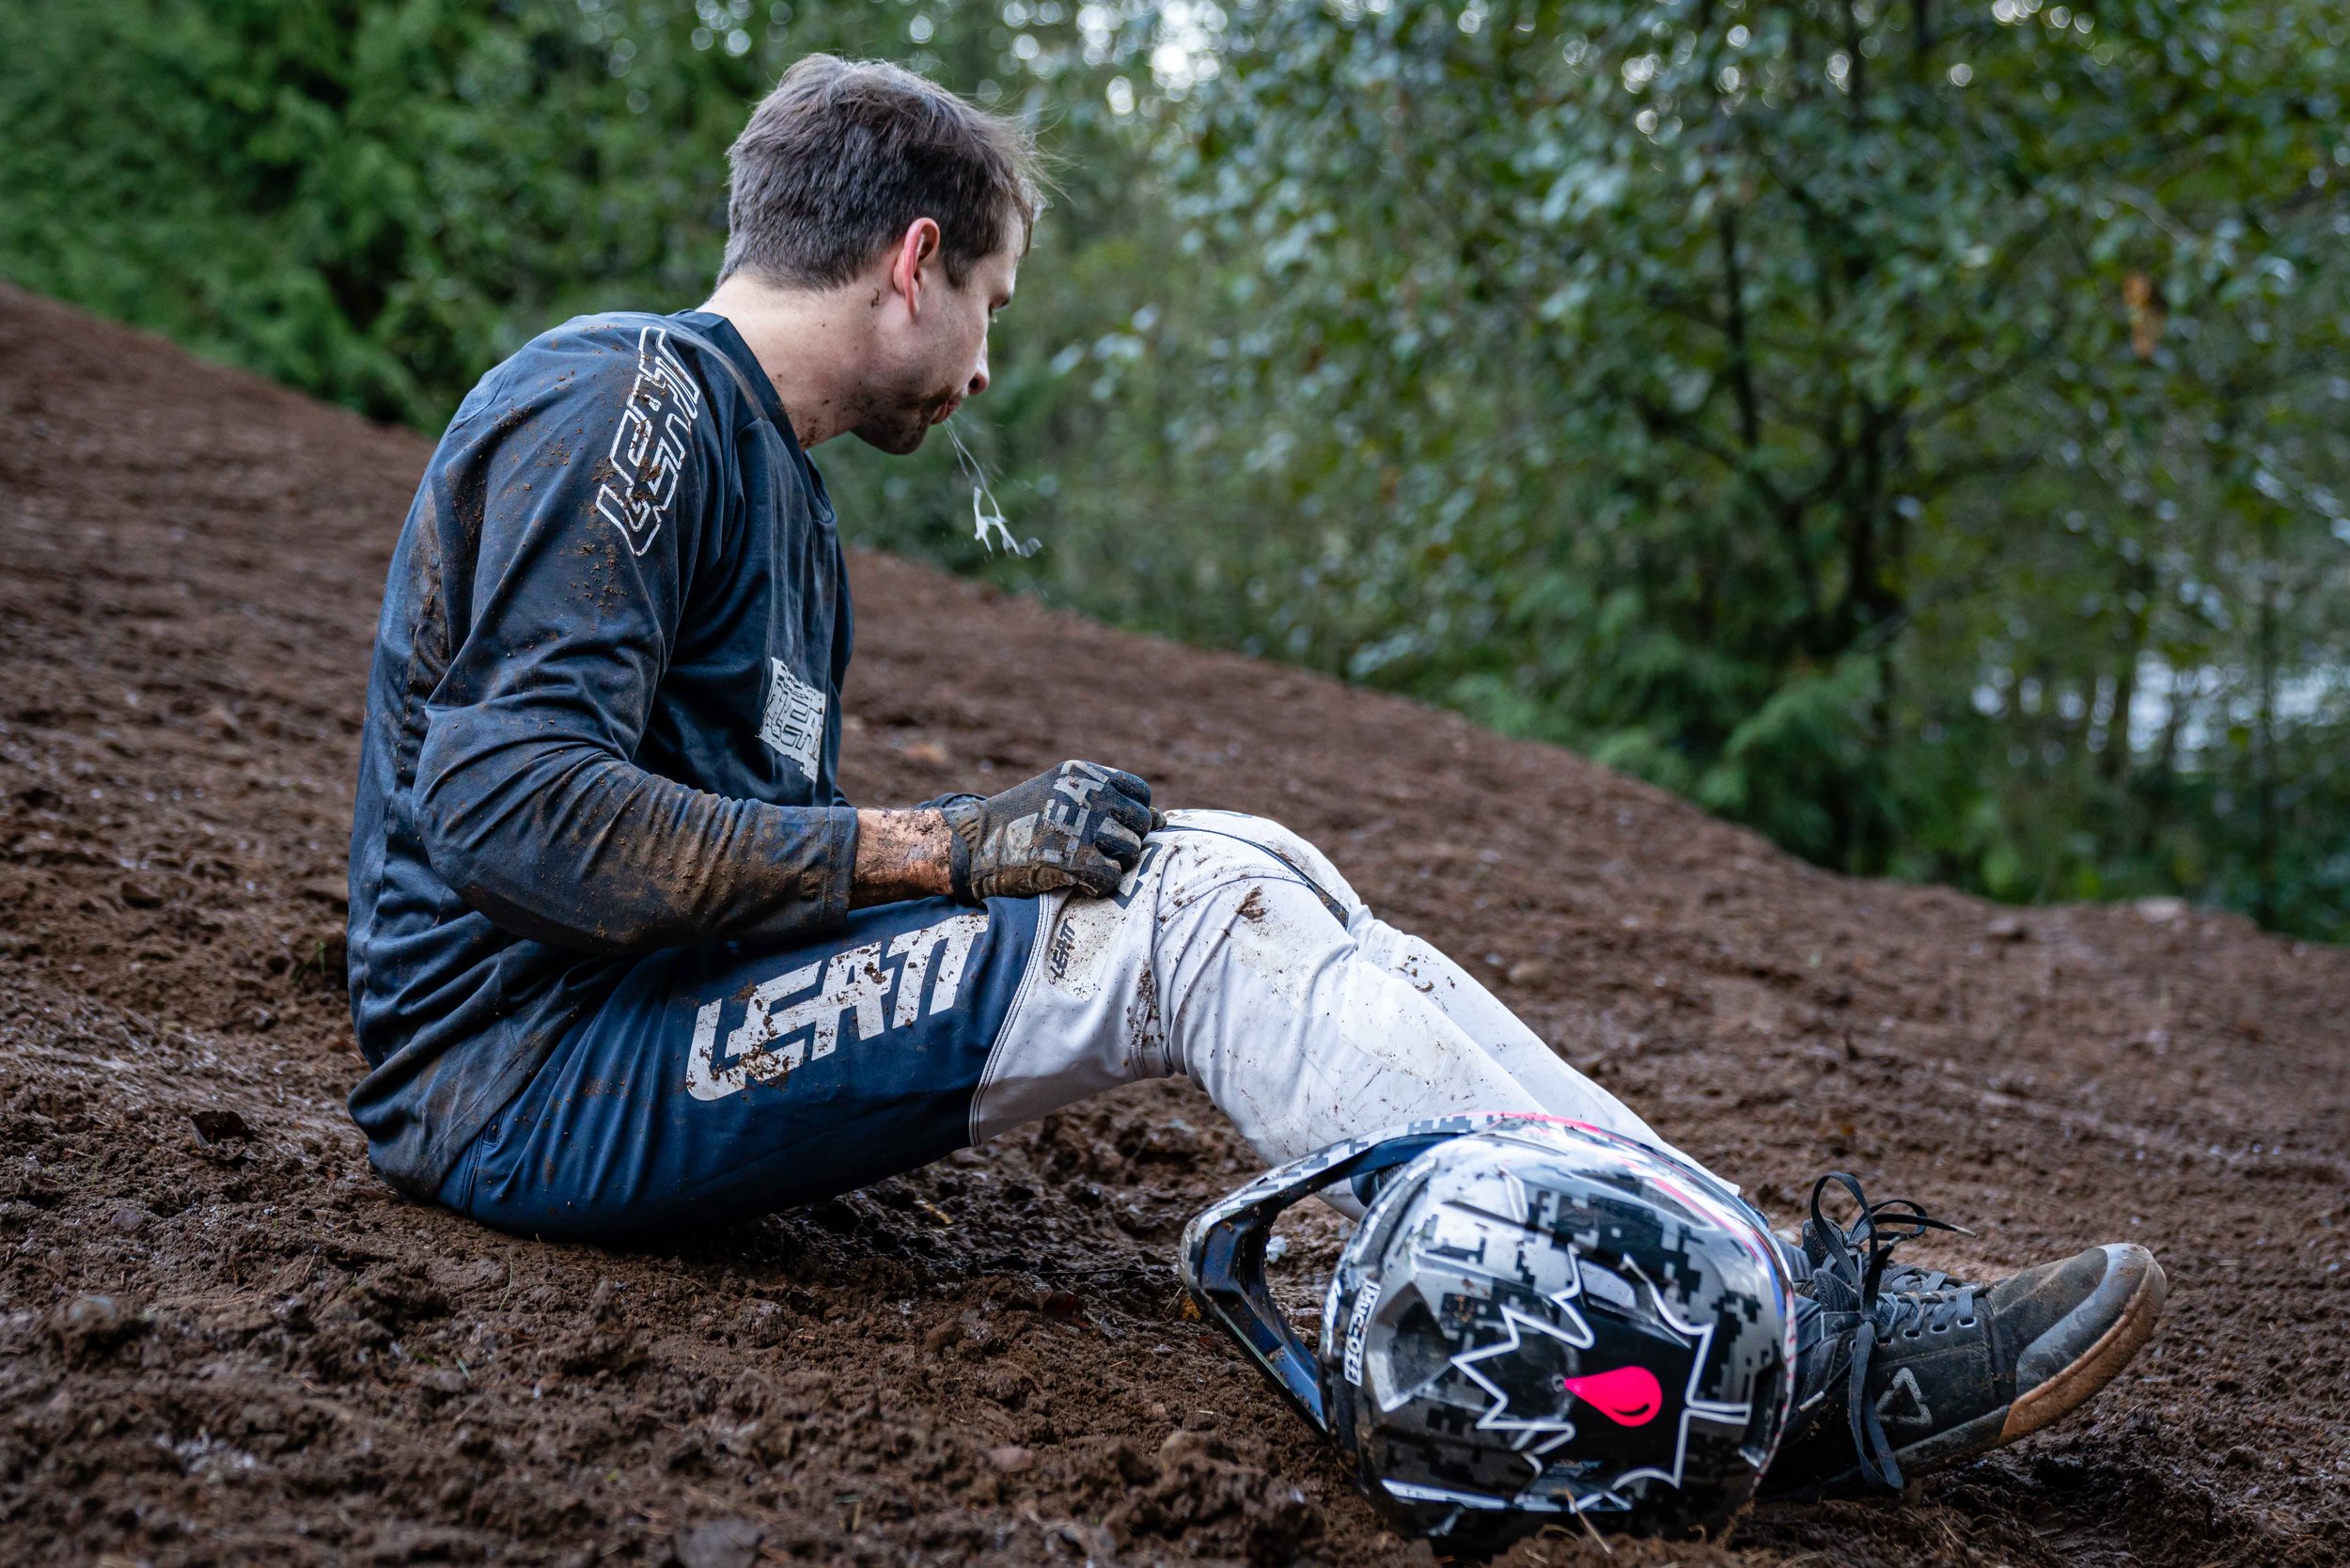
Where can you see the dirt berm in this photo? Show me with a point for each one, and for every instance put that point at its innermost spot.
(223, 1341)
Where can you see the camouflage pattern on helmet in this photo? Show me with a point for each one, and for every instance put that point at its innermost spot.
(1544, 1319)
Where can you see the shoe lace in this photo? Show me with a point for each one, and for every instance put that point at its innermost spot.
(1907, 1301)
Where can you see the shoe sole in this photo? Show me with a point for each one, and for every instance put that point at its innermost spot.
(2053, 1397)
(2102, 1361)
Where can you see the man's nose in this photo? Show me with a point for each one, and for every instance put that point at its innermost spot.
(979, 375)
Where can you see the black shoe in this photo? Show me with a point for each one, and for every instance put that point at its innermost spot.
(1904, 1370)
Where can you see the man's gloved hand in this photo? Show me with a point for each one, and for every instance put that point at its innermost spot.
(1080, 825)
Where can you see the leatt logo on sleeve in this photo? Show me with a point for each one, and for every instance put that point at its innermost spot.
(649, 449)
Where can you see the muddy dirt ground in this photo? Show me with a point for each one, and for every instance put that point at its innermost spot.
(223, 1341)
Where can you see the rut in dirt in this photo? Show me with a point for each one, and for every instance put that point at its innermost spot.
(222, 1338)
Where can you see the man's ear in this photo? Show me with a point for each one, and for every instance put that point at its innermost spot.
(916, 248)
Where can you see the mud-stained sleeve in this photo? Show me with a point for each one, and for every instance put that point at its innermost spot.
(591, 491)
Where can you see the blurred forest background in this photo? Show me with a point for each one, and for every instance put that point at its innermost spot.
(1918, 429)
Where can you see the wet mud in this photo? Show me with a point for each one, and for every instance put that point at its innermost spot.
(222, 1341)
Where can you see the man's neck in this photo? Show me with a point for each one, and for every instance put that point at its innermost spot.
(811, 342)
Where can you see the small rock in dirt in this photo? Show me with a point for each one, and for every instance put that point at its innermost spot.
(138, 895)
(2007, 928)
(130, 1220)
(1062, 1304)
(216, 1127)
(444, 1382)
(2160, 912)
(764, 1324)
(1529, 971)
(1007, 1386)
(1202, 1420)
(1010, 1458)
(88, 1317)
(719, 1543)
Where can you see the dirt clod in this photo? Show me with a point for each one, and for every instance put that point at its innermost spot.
(89, 1327)
(218, 1127)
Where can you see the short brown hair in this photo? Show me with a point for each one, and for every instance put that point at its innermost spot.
(844, 154)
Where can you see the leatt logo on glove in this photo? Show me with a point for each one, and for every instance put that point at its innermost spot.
(1080, 826)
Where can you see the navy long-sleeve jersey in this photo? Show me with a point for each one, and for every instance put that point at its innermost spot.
(603, 716)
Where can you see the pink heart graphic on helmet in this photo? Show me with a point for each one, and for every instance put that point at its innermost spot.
(1628, 1396)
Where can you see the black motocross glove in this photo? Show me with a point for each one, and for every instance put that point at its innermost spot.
(1080, 825)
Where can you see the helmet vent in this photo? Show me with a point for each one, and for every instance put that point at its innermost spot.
(1602, 1284)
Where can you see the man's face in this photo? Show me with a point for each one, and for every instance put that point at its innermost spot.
(934, 356)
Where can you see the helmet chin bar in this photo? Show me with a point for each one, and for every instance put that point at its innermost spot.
(1223, 1260)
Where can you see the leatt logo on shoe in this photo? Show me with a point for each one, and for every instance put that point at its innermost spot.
(649, 449)
(1903, 1404)
(791, 1018)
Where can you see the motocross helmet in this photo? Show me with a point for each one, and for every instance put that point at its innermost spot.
(1536, 1321)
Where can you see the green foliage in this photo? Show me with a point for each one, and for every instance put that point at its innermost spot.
(376, 199)
(1916, 429)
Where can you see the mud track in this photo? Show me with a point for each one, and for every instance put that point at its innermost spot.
(234, 1345)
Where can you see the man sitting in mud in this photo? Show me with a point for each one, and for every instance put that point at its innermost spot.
(625, 959)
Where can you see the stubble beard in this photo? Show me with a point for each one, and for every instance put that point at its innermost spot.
(900, 423)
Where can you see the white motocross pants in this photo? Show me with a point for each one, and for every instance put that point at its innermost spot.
(1236, 955)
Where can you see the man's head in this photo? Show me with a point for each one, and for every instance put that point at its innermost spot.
(862, 178)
